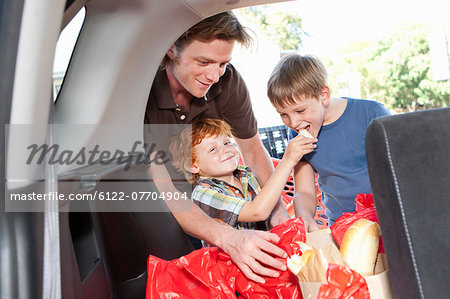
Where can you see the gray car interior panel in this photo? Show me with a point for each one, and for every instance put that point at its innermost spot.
(21, 234)
(408, 156)
(120, 241)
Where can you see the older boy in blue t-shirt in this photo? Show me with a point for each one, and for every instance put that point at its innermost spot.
(299, 91)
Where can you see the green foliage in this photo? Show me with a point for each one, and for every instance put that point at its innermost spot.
(407, 73)
(396, 70)
(282, 27)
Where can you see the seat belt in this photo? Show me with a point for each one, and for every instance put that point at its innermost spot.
(51, 282)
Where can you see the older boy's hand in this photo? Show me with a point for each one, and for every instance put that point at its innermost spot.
(279, 215)
(310, 224)
(252, 252)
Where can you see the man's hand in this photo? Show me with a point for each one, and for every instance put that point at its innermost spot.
(253, 253)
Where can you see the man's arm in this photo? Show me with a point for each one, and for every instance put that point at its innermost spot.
(247, 248)
(305, 201)
(257, 158)
(251, 250)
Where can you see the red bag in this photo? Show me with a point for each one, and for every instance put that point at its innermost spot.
(343, 283)
(210, 273)
(365, 208)
(200, 274)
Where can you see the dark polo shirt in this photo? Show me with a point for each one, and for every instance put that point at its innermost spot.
(228, 100)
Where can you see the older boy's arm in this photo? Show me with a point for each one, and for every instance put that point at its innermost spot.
(305, 202)
(247, 248)
(257, 158)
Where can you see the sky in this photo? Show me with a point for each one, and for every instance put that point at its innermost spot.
(333, 24)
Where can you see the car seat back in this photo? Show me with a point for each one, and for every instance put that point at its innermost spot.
(408, 157)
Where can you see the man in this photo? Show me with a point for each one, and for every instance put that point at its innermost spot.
(197, 81)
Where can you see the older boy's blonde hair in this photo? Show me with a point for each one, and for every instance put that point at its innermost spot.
(182, 147)
(296, 77)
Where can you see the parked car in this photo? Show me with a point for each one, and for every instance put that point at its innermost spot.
(87, 251)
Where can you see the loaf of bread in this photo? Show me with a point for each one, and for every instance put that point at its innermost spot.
(360, 246)
(295, 263)
(305, 133)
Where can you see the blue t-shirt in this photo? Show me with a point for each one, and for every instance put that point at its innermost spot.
(340, 157)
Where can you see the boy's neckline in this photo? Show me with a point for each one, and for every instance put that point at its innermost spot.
(237, 174)
(340, 105)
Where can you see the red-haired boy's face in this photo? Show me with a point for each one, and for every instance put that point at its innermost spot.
(217, 157)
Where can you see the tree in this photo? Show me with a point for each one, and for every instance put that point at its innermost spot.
(406, 73)
(283, 27)
(396, 69)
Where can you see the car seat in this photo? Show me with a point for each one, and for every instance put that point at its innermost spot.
(408, 157)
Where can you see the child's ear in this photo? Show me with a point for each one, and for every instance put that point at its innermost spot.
(192, 168)
(325, 96)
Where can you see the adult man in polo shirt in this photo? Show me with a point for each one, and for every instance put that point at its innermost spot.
(197, 81)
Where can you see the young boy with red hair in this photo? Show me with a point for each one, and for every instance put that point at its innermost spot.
(224, 189)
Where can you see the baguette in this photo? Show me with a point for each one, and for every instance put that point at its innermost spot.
(360, 246)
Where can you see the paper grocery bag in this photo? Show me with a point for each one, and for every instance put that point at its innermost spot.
(316, 269)
(310, 290)
(320, 238)
(378, 284)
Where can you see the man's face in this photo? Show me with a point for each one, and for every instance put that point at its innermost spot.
(307, 113)
(217, 157)
(198, 65)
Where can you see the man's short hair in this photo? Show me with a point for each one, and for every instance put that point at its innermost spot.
(296, 77)
(182, 146)
(223, 26)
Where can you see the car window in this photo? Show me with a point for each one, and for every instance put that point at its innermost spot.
(64, 49)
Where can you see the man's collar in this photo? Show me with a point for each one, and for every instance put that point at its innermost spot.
(213, 92)
(161, 91)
